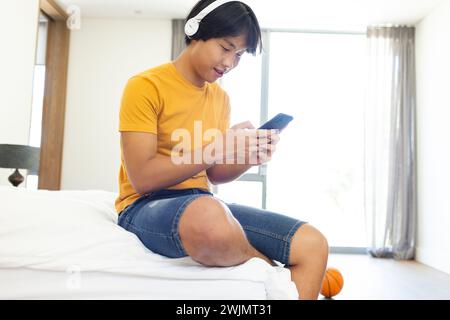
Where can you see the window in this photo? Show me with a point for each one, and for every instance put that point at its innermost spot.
(248, 193)
(244, 87)
(316, 174)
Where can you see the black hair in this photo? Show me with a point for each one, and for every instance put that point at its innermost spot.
(228, 20)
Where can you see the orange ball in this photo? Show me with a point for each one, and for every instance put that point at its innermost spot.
(332, 283)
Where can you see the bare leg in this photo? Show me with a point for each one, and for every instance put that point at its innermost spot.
(308, 259)
(213, 237)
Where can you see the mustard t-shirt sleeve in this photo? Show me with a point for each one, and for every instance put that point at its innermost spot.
(139, 107)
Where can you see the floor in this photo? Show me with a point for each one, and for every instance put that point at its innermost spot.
(367, 278)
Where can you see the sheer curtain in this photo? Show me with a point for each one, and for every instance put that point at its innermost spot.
(390, 164)
(178, 43)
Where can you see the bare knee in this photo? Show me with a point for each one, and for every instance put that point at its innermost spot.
(210, 234)
(308, 244)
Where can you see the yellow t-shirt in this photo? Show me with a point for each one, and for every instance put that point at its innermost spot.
(161, 100)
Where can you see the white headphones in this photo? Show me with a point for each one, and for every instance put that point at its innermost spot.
(192, 25)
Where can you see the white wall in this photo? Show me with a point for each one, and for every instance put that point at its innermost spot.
(18, 32)
(103, 55)
(433, 129)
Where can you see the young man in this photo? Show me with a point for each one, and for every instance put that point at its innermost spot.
(168, 204)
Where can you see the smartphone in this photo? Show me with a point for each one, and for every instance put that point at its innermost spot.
(280, 121)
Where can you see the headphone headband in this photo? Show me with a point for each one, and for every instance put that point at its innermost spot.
(192, 25)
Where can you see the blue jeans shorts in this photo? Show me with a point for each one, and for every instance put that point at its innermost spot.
(154, 219)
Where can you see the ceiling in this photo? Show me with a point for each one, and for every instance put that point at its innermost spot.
(330, 14)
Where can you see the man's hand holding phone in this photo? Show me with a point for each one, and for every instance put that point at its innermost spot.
(243, 144)
(276, 124)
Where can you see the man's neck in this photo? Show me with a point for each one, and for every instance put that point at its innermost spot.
(184, 66)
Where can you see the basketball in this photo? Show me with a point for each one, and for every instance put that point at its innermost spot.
(332, 283)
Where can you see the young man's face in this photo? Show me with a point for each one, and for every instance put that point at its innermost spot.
(217, 56)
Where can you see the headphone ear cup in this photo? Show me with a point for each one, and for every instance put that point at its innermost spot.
(191, 27)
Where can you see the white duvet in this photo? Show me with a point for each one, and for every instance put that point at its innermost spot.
(77, 230)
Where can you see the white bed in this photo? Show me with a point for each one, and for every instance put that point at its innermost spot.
(67, 245)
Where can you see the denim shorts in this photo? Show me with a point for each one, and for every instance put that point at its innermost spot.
(154, 219)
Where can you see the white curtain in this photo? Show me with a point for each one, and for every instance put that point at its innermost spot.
(390, 143)
(178, 43)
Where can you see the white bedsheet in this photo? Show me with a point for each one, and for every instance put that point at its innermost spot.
(76, 233)
(20, 283)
